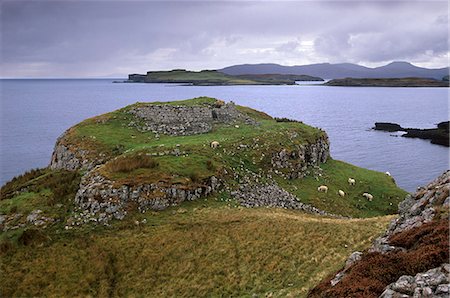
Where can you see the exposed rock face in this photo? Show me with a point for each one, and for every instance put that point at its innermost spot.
(186, 120)
(416, 210)
(295, 162)
(433, 283)
(98, 200)
(72, 159)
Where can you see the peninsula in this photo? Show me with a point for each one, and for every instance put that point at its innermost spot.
(216, 78)
(202, 188)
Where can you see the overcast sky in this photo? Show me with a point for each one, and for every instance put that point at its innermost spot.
(101, 38)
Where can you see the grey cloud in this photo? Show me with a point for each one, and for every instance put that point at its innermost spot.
(93, 37)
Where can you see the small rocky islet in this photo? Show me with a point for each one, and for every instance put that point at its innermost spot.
(438, 135)
(143, 166)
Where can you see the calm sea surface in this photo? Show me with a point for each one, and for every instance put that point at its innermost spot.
(35, 112)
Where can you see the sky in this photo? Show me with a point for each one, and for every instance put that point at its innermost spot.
(114, 38)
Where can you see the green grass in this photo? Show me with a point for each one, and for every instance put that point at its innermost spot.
(335, 175)
(205, 248)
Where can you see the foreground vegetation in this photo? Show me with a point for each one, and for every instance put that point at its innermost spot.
(203, 248)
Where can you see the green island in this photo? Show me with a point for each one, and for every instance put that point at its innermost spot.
(187, 198)
(388, 82)
(216, 78)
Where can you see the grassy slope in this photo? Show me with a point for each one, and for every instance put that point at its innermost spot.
(208, 247)
(335, 174)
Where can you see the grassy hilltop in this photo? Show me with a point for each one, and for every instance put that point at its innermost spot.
(210, 246)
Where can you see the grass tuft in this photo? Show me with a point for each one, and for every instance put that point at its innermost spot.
(127, 164)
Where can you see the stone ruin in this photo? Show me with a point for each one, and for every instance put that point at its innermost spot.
(186, 120)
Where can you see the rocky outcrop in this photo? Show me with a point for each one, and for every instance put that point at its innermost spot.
(99, 200)
(416, 210)
(186, 120)
(71, 158)
(293, 163)
(417, 240)
(432, 283)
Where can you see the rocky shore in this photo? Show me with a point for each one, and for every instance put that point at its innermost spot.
(439, 135)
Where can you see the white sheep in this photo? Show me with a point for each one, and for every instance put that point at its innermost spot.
(351, 181)
(214, 144)
(368, 196)
(388, 174)
(341, 193)
(322, 188)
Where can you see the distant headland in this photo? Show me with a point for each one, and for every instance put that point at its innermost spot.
(215, 78)
(388, 82)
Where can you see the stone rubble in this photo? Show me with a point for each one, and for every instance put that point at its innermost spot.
(253, 195)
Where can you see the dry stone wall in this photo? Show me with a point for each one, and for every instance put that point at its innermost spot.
(186, 120)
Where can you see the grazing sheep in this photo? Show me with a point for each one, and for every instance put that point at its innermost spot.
(214, 144)
(368, 196)
(388, 174)
(322, 188)
(341, 193)
(351, 181)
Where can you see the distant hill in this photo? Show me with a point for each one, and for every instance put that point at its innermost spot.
(341, 70)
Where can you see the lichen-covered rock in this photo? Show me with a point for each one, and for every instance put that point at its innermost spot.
(433, 283)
